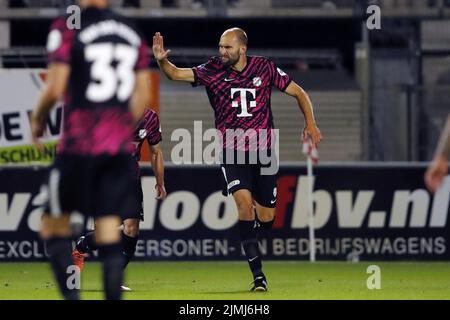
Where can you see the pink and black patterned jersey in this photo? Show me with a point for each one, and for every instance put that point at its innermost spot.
(104, 56)
(148, 129)
(241, 100)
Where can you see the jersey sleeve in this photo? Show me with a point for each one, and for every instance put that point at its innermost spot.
(153, 128)
(204, 73)
(143, 60)
(280, 79)
(60, 42)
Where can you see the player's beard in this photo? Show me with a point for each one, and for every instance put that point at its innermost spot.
(230, 61)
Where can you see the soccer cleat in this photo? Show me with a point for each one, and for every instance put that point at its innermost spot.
(259, 284)
(125, 289)
(78, 259)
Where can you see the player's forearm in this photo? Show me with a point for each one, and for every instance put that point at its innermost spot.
(46, 102)
(158, 167)
(168, 68)
(443, 148)
(305, 104)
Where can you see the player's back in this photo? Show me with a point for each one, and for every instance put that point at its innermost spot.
(104, 56)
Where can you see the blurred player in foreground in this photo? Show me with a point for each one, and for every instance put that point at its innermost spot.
(438, 168)
(101, 70)
(239, 89)
(148, 129)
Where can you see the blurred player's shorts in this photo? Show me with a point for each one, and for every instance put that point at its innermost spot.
(93, 185)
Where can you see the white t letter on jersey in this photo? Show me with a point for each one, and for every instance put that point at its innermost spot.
(235, 104)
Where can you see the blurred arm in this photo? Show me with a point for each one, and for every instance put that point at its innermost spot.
(141, 95)
(55, 86)
(443, 148)
(438, 169)
(56, 83)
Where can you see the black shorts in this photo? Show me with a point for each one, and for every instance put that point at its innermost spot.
(94, 186)
(139, 214)
(263, 187)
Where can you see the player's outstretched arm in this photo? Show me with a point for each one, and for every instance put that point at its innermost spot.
(158, 169)
(170, 70)
(56, 83)
(305, 105)
(141, 96)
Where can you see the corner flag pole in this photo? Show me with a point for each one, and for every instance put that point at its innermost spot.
(311, 157)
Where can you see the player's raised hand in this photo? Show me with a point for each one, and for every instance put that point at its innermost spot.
(314, 133)
(158, 47)
(161, 192)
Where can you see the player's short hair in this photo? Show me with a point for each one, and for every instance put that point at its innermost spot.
(240, 34)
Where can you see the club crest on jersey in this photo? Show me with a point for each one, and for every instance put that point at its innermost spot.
(54, 40)
(257, 81)
(281, 72)
(142, 133)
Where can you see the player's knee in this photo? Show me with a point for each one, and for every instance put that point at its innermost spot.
(129, 245)
(106, 231)
(55, 227)
(131, 228)
(266, 215)
(245, 211)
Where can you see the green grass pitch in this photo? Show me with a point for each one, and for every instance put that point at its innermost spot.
(231, 281)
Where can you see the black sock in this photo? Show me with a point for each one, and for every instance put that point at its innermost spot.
(86, 244)
(251, 247)
(267, 225)
(264, 227)
(59, 250)
(129, 247)
(113, 261)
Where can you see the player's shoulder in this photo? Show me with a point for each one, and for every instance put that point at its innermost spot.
(150, 114)
(92, 15)
(96, 22)
(59, 23)
(212, 66)
(261, 59)
(130, 23)
(121, 18)
(59, 34)
(215, 62)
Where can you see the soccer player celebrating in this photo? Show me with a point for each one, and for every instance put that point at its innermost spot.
(239, 90)
(147, 129)
(101, 70)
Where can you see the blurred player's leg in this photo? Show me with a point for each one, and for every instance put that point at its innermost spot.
(85, 244)
(56, 234)
(130, 235)
(108, 239)
(247, 232)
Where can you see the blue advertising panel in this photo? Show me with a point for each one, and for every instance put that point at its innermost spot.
(361, 212)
